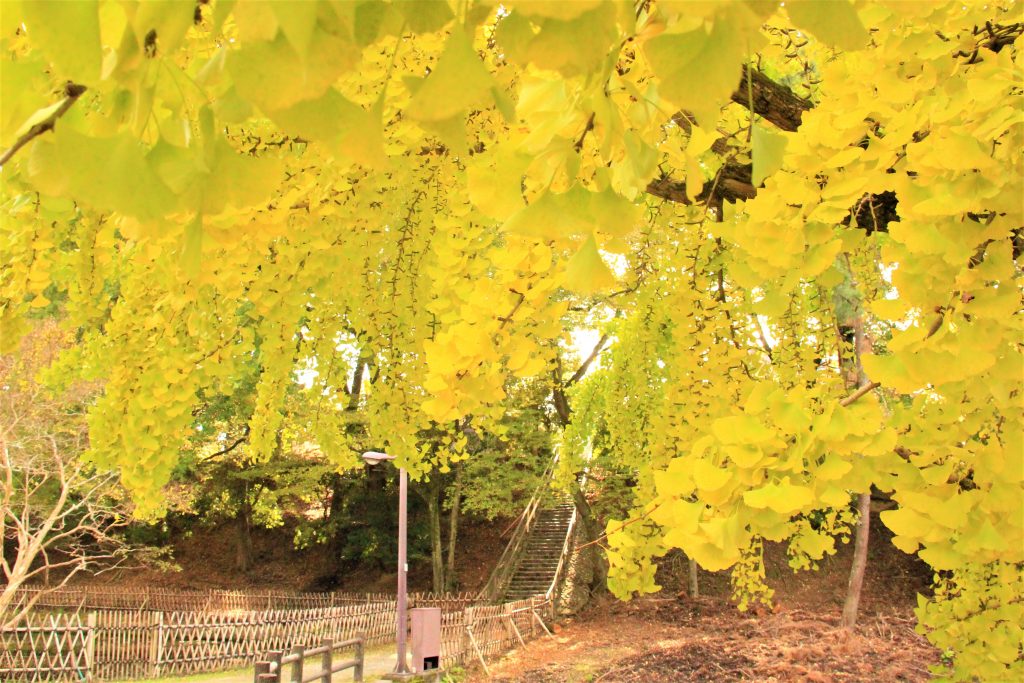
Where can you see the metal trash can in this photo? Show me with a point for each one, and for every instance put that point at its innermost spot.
(426, 638)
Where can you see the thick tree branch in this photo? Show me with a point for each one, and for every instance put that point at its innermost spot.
(770, 100)
(72, 91)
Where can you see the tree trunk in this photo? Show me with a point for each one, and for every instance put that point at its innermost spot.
(861, 345)
(592, 556)
(694, 585)
(436, 552)
(451, 575)
(244, 559)
(860, 561)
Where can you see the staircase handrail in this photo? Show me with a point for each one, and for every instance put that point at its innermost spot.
(506, 563)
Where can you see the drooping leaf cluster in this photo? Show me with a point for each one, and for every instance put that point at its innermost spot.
(425, 191)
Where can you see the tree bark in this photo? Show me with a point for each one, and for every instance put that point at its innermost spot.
(451, 575)
(244, 559)
(694, 584)
(860, 562)
(436, 552)
(861, 344)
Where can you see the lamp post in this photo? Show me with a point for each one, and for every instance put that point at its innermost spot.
(372, 458)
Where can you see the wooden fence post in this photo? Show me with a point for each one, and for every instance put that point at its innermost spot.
(357, 672)
(156, 644)
(275, 657)
(90, 646)
(325, 660)
(262, 668)
(300, 652)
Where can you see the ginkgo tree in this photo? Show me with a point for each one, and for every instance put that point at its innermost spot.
(805, 218)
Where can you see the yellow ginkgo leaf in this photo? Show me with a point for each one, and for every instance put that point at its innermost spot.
(586, 272)
(459, 82)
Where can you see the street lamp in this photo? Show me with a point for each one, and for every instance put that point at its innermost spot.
(372, 458)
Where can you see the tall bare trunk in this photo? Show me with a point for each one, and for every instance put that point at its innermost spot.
(694, 585)
(860, 561)
(451, 575)
(436, 553)
(244, 559)
(860, 544)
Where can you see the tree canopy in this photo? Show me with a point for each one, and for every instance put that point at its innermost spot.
(797, 223)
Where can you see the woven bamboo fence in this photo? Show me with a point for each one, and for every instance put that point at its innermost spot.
(139, 644)
(166, 600)
(46, 647)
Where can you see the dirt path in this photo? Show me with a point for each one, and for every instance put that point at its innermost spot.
(379, 660)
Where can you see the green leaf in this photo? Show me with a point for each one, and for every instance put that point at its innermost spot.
(835, 22)
(425, 16)
(586, 272)
(698, 70)
(576, 212)
(346, 128)
(297, 21)
(169, 20)
(112, 174)
(69, 34)
(767, 149)
(192, 247)
(272, 76)
(459, 82)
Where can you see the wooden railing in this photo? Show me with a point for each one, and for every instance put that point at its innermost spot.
(506, 565)
(273, 666)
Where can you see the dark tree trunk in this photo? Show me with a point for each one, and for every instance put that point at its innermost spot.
(436, 552)
(451, 575)
(244, 559)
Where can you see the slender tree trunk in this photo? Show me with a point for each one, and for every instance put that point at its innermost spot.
(244, 559)
(451, 574)
(694, 585)
(436, 552)
(860, 544)
(860, 561)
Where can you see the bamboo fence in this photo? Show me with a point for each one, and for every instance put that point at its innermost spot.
(168, 600)
(137, 644)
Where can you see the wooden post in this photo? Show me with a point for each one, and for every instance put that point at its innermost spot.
(357, 672)
(262, 668)
(300, 653)
(275, 657)
(479, 654)
(156, 644)
(325, 660)
(90, 646)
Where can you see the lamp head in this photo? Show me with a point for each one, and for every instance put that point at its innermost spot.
(374, 457)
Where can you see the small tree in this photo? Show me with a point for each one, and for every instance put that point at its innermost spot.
(58, 513)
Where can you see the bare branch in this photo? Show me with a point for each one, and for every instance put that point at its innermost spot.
(72, 91)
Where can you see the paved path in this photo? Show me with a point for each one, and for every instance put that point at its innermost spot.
(378, 661)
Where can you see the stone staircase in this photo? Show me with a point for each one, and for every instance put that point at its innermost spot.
(542, 552)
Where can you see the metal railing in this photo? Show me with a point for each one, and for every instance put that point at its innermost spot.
(271, 670)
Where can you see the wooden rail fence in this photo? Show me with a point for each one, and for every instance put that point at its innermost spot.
(138, 644)
(270, 671)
